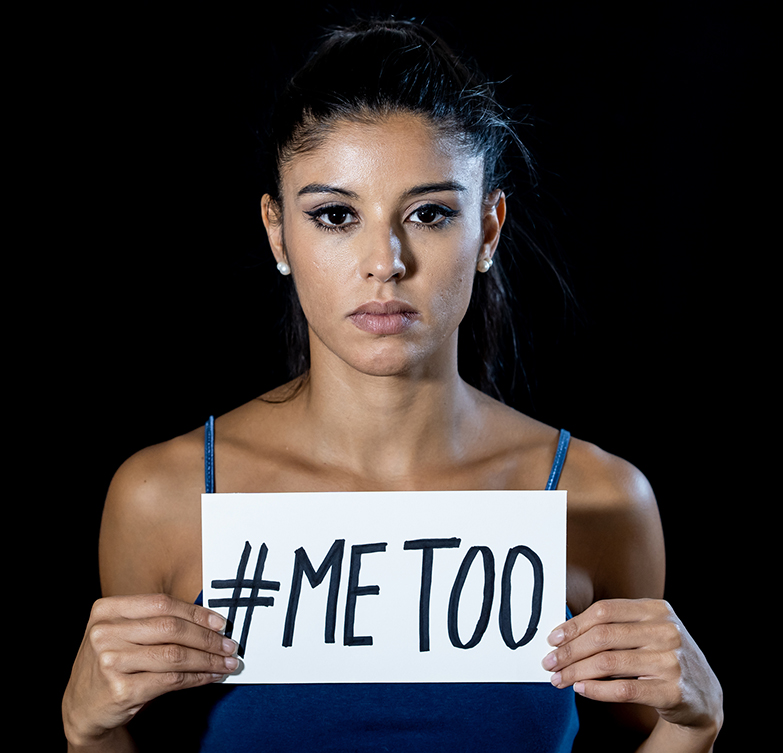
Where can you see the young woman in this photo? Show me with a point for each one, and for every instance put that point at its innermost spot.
(385, 218)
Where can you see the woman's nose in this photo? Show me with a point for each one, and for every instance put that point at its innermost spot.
(383, 256)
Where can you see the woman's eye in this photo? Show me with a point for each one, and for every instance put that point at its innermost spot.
(336, 216)
(333, 218)
(432, 214)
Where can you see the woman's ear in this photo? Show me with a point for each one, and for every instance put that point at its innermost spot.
(272, 216)
(494, 215)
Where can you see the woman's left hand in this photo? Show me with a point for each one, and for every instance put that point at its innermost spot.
(637, 651)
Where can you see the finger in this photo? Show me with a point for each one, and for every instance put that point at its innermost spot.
(175, 630)
(598, 639)
(634, 664)
(654, 693)
(139, 606)
(167, 659)
(608, 611)
(166, 682)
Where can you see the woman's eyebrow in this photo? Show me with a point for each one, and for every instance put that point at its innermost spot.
(448, 185)
(324, 188)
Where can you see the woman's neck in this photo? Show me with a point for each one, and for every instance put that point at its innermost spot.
(385, 427)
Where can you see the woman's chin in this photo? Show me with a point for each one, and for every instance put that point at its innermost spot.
(385, 367)
(391, 356)
(407, 365)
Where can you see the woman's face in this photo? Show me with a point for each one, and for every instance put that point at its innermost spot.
(383, 225)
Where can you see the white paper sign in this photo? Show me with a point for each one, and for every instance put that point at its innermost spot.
(387, 586)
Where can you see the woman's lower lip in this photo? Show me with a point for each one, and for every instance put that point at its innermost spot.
(384, 324)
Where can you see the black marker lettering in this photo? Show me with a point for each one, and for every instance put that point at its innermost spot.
(354, 590)
(302, 564)
(251, 602)
(427, 546)
(456, 591)
(505, 597)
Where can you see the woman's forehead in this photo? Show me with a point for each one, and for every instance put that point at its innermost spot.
(399, 149)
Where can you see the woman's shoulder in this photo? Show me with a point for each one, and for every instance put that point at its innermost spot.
(156, 479)
(590, 471)
(152, 510)
(591, 475)
(602, 479)
(614, 527)
(161, 470)
(599, 483)
(177, 464)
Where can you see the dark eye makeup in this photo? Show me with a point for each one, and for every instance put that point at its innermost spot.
(435, 215)
(333, 217)
(339, 217)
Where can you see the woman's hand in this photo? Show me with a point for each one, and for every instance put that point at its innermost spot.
(136, 648)
(637, 651)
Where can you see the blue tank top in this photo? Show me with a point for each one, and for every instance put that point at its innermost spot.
(365, 718)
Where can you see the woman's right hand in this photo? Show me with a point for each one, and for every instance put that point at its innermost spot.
(136, 648)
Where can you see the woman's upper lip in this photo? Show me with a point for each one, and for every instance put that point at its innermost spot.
(380, 308)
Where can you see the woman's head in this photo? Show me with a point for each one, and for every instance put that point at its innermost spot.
(383, 225)
(365, 75)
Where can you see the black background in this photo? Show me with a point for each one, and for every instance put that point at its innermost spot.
(155, 298)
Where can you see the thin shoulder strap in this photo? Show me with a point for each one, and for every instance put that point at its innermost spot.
(209, 455)
(560, 456)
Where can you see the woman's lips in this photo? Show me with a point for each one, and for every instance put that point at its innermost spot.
(389, 318)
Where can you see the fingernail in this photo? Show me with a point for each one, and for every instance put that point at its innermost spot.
(550, 661)
(229, 646)
(556, 637)
(231, 662)
(579, 687)
(216, 621)
(556, 678)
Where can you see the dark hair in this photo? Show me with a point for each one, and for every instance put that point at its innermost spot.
(376, 68)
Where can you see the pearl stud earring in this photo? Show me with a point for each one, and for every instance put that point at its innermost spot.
(484, 265)
(283, 268)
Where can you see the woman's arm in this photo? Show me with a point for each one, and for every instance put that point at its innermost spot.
(139, 643)
(629, 650)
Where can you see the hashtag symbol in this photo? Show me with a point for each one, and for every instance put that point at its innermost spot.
(249, 603)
